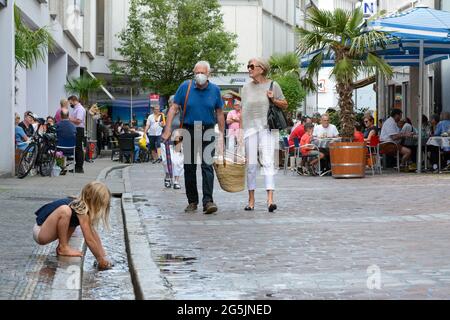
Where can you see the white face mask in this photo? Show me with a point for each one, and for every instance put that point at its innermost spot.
(201, 79)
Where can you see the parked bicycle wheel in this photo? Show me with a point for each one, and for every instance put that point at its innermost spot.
(47, 161)
(27, 161)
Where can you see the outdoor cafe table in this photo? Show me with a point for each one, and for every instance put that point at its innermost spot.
(440, 142)
(324, 143)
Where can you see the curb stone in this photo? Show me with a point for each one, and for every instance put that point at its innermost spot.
(147, 280)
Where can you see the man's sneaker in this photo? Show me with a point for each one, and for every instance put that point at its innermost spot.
(210, 208)
(192, 207)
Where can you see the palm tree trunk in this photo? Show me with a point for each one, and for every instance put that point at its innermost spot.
(346, 105)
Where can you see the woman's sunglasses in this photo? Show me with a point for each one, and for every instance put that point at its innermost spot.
(252, 67)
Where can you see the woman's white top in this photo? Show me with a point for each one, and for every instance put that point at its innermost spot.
(255, 105)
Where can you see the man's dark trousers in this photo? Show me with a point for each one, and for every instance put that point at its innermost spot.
(79, 153)
(190, 166)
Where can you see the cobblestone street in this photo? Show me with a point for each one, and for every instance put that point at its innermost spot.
(382, 237)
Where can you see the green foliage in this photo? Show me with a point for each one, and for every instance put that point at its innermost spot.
(165, 38)
(335, 117)
(285, 70)
(83, 86)
(31, 45)
(342, 34)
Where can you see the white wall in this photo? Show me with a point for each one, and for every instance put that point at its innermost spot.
(37, 89)
(89, 28)
(21, 93)
(116, 21)
(7, 90)
(245, 22)
(57, 71)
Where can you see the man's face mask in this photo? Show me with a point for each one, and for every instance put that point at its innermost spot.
(201, 79)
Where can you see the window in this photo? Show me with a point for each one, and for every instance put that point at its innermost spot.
(100, 36)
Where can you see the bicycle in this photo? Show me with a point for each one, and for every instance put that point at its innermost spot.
(39, 154)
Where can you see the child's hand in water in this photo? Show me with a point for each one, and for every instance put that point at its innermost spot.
(103, 264)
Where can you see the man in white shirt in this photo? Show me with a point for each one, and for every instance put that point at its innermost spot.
(154, 129)
(391, 132)
(326, 129)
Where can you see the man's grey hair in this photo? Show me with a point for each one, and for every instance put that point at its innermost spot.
(171, 99)
(203, 64)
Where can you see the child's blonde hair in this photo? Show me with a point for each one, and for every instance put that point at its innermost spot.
(97, 198)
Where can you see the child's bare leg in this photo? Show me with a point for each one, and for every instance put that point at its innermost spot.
(69, 235)
(57, 227)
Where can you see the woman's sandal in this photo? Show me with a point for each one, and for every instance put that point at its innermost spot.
(272, 208)
(168, 183)
(248, 208)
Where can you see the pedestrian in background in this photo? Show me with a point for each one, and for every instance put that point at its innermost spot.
(234, 125)
(176, 153)
(78, 118)
(155, 124)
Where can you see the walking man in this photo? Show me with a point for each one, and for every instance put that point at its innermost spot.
(78, 119)
(204, 108)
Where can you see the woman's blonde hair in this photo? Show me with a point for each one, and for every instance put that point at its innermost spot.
(263, 63)
(97, 198)
(63, 102)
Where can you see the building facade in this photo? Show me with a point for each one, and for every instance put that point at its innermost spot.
(263, 27)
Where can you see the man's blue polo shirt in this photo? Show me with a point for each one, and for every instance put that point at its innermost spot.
(202, 103)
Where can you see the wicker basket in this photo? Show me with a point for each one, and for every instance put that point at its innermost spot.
(231, 175)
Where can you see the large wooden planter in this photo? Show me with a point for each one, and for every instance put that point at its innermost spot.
(348, 159)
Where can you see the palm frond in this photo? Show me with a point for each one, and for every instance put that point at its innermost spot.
(31, 45)
(340, 21)
(83, 86)
(344, 70)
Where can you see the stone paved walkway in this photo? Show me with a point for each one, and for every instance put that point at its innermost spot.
(383, 237)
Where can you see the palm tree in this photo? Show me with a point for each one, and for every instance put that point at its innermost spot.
(342, 34)
(83, 86)
(282, 64)
(31, 45)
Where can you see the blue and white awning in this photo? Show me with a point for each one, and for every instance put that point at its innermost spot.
(420, 23)
(395, 55)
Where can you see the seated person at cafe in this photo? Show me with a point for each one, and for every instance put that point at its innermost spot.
(358, 135)
(442, 128)
(406, 127)
(325, 129)
(66, 133)
(27, 124)
(21, 138)
(390, 132)
(371, 129)
(307, 151)
(131, 133)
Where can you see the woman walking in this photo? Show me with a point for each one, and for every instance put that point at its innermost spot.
(256, 98)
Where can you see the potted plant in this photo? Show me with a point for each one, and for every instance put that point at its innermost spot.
(344, 36)
(59, 164)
